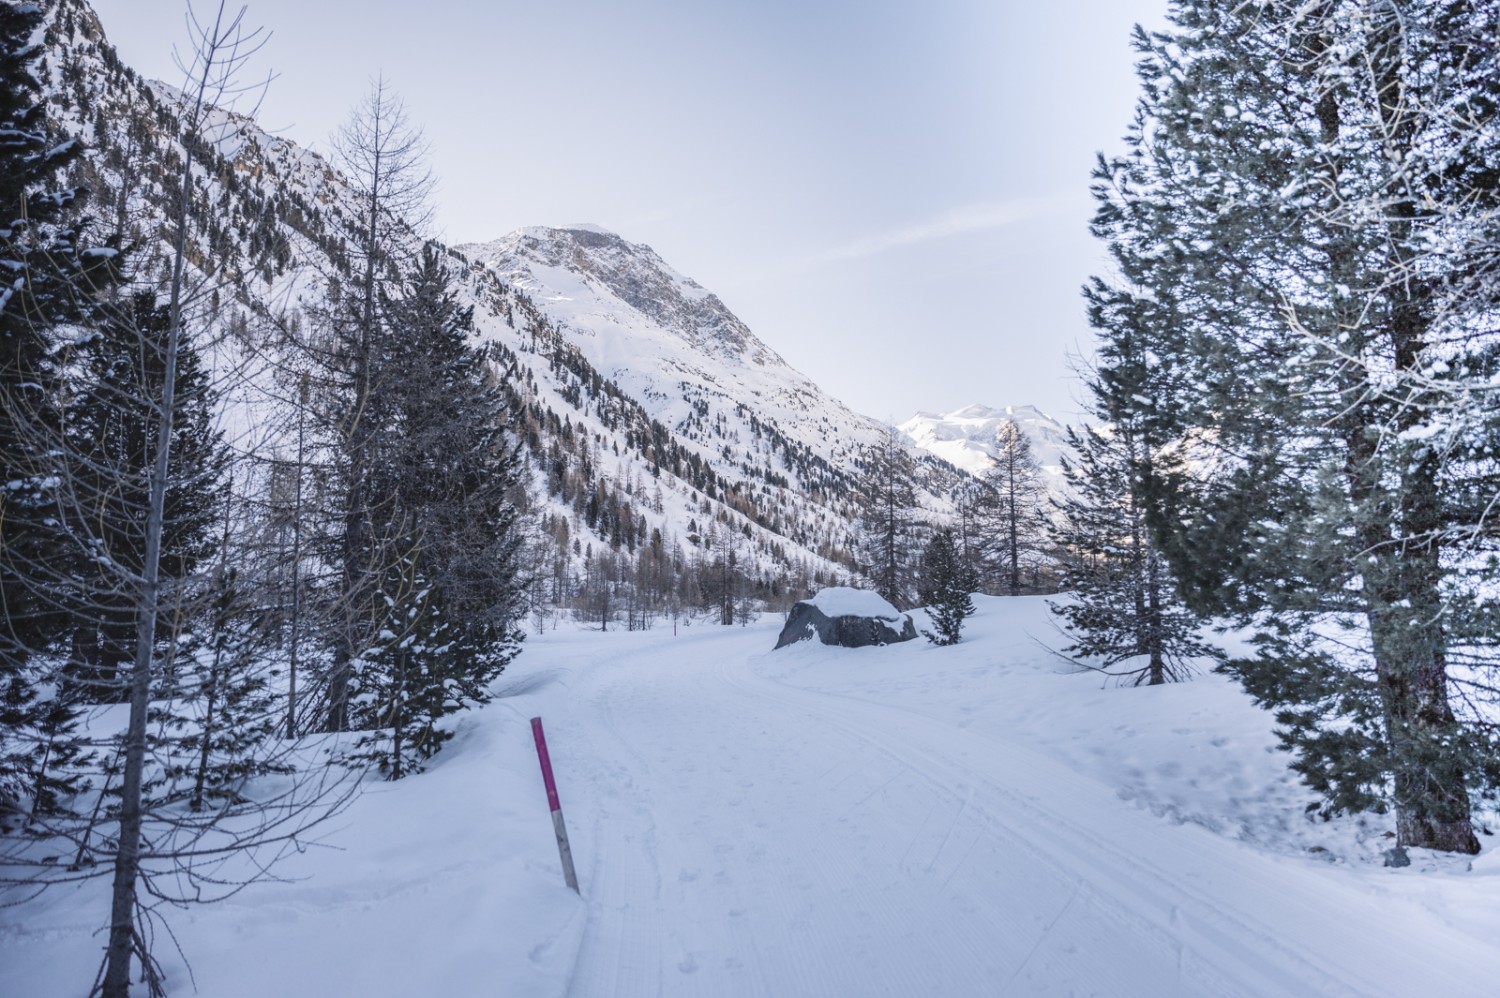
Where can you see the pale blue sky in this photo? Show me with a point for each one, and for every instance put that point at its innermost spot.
(892, 193)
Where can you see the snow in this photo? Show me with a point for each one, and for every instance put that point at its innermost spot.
(676, 350)
(969, 820)
(965, 438)
(842, 601)
(691, 349)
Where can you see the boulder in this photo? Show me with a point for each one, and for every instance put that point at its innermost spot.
(848, 618)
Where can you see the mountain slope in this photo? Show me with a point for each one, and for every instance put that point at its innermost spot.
(648, 410)
(731, 440)
(668, 342)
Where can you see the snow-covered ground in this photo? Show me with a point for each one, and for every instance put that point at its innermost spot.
(907, 820)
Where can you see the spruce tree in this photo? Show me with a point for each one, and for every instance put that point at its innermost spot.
(1294, 209)
(448, 532)
(1123, 613)
(51, 276)
(219, 714)
(111, 436)
(946, 588)
(215, 714)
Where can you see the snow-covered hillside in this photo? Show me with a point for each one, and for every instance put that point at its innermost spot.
(968, 821)
(632, 382)
(648, 327)
(669, 342)
(674, 351)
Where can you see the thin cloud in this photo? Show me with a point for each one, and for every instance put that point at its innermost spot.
(956, 222)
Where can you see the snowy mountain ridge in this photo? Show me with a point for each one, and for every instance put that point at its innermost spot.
(272, 224)
(965, 438)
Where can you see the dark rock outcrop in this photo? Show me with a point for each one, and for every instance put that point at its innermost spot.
(825, 617)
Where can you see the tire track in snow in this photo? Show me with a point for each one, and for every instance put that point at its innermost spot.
(1024, 902)
(1117, 898)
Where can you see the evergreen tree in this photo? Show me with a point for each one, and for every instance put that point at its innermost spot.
(50, 278)
(216, 714)
(103, 443)
(1297, 204)
(888, 504)
(1123, 613)
(111, 435)
(445, 623)
(410, 678)
(946, 587)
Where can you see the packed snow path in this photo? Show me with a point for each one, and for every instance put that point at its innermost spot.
(750, 837)
(816, 822)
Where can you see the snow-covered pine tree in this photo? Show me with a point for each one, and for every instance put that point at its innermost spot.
(103, 442)
(215, 716)
(1291, 217)
(51, 275)
(1123, 613)
(403, 683)
(110, 436)
(450, 601)
(946, 588)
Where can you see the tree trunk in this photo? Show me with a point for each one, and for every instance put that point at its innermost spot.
(1432, 800)
(356, 512)
(122, 929)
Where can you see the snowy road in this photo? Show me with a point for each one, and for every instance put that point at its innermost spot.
(744, 836)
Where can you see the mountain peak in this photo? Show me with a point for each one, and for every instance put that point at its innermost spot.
(600, 284)
(979, 412)
(585, 234)
(965, 437)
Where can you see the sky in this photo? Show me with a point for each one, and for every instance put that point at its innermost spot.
(893, 194)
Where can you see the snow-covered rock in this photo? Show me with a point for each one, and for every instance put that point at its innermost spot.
(849, 618)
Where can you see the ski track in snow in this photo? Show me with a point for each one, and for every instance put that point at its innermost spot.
(823, 823)
(755, 838)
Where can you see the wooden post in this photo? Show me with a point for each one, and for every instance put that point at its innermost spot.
(563, 850)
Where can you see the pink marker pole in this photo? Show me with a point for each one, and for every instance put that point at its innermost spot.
(561, 829)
